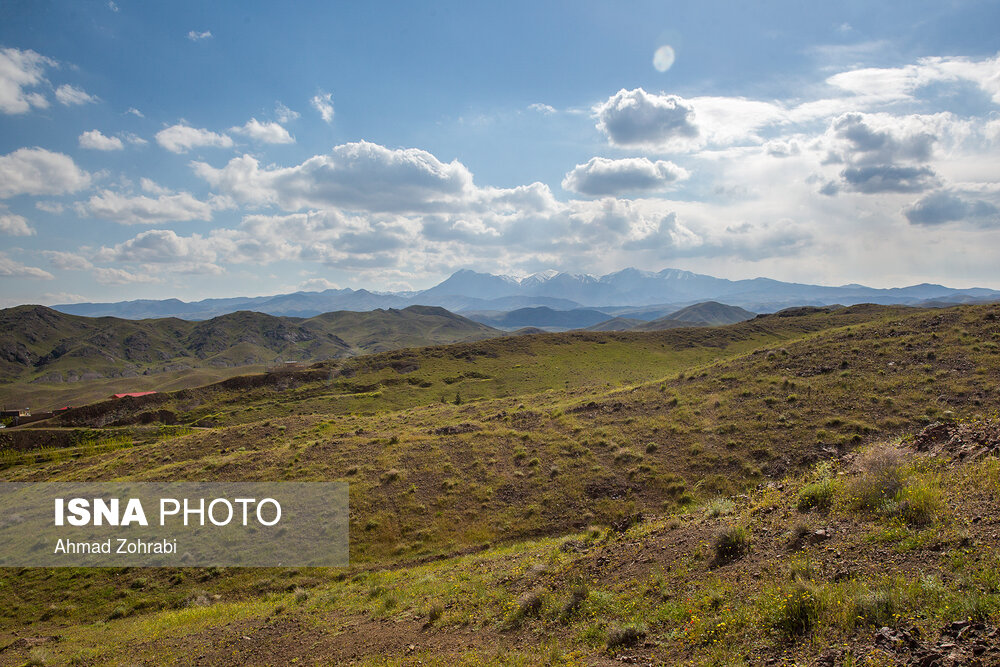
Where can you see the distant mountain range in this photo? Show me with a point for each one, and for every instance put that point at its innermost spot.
(708, 313)
(630, 293)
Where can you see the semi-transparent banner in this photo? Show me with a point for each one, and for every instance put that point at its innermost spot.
(173, 524)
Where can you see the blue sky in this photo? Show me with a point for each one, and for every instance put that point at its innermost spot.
(153, 150)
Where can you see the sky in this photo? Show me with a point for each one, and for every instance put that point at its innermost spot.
(192, 149)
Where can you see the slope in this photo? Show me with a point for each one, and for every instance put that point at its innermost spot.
(727, 411)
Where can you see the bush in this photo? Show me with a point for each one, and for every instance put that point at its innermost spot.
(876, 607)
(879, 480)
(719, 507)
(731, 544)
(576, 599)
(818, 495)
(626, 455)
(630, 635)
(920, 501)
(529, 604)
(797, 611)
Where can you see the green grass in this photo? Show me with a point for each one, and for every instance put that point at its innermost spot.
(560, 431)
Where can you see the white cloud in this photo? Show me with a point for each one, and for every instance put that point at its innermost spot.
(72, 96)
(95, 140)
(134, 139)
(635, 118)
(266, 133)
(356, 176)
(198, 36)
(153, 188)
(20, 71)
(135, 112)
(284, 114)
(36, 171)
(12, 269)
(142, 210)
(50, 207)
(113, 276)
(63, 297)
(542, 108)
(317, 285)
(603, 177)
(14, 225)
(160, 246)
(181, 138)
(68, 261)
(323, 103)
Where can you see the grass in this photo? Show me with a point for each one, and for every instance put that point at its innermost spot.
(730, 544)
(527, 462)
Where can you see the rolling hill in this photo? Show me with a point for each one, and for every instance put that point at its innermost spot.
(64, 358)
(816, 486)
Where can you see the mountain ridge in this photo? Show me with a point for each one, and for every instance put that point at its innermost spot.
(468, 290)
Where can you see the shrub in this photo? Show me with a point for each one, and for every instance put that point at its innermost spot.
(719, 507)
(818, 495)
(876, 607)
(529, 604)
(576, 599)
(731, 544)
(879, 480)
(434, 612)
(629, 635)
(920, 501)
(797, 610)
(626, 455)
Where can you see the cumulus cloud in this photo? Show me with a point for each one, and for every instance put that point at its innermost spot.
(316, 285)
(135, 112)
(68, 95)
(68, 261)
(323, 103)
(870, 139)
(635, 118)
(36, 171)
(97, 141)
(266, 133)
(160, 246)
(940, 207)
(153, 188)
(143, 210)
(114, 276)
(13, 269)
(356, 176)
(19, 72)
(888, 178)
(602, 176)
(181, 138)
(14, 225)
(199, 36)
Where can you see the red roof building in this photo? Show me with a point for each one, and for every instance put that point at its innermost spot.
(133, 394)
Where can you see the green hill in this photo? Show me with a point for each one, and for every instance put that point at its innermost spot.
(477, 470)
(50, 359)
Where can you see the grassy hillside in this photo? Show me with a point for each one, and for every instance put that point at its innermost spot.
(499, 455)
(50, 359)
